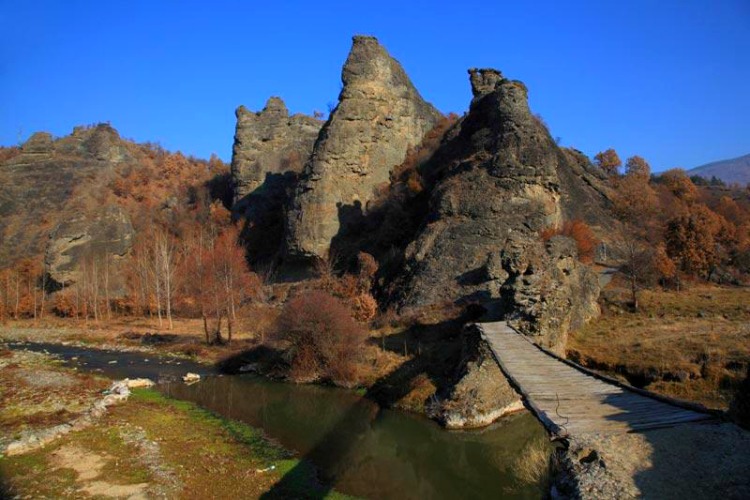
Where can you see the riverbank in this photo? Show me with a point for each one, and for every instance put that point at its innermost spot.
(708, 461)
(354, 444)
(148, 446)
(403, 364)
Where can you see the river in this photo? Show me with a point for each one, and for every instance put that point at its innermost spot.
(357, 447)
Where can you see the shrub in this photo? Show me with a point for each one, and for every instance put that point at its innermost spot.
(578, 231)
(364, 307)
(66, 304)
(324, 341)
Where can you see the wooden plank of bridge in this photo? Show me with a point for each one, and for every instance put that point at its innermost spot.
(569, 401)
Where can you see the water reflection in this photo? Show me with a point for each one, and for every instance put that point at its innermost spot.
(369, 452)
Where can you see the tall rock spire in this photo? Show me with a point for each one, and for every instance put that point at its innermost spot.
(379, 116)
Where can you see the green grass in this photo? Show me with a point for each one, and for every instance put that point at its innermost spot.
(299, 476)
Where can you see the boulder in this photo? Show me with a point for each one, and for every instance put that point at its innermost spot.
(480, 394)
(379, 116)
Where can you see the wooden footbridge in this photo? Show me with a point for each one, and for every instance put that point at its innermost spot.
(570, 400)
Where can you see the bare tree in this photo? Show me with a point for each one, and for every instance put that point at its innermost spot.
(636, 264)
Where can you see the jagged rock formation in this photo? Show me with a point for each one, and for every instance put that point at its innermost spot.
(546, 292)
(270, 151)
(497, 185)
(103, 238)
(379, 116)
(269, 143)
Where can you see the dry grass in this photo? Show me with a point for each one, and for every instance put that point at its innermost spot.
(187, 338)
(693, 344)
(533, 465)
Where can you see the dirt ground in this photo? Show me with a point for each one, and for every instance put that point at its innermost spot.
(686, 461)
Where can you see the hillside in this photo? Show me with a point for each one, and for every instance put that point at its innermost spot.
(735, 170)
(87, 195)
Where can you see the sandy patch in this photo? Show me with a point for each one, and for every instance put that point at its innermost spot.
(88, 467)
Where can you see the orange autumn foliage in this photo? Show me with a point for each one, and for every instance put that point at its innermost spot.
(580, 232)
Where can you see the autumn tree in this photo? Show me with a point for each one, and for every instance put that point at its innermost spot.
(636, 166)
(23, 289)
(608, 161)
(679, 184)
(578, 231)
(637, 264)
(663, 264)
(152, 272)
(221, 280)
(697, 240)
(230, 280)
(634, 201)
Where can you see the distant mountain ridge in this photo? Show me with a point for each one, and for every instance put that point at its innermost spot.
(735, 170)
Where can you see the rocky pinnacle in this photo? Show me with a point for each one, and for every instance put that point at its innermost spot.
(379, 116)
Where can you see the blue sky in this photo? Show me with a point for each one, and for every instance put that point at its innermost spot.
(665, 79)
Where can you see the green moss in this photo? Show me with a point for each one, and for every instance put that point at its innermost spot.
(299, 477)
(262, 448)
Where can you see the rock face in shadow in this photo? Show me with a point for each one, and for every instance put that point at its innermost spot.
(379, 116)
(269, 153)
(496, 185)
(97, 240)
(42, 186)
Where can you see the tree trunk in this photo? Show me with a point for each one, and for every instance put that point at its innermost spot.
(217, 334)
(229, 329)
(18, 295)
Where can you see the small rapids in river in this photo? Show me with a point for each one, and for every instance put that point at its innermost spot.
(357, 447)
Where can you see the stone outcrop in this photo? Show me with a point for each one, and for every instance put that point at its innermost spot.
(379, 116)
(546, 292)
(270, 143)
(481, 394)
(104, 237)
(496, 186)
(270, 150)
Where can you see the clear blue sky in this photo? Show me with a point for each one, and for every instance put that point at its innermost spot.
(666, 79)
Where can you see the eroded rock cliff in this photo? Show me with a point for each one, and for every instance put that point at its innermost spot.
(496, 187)
(94, 242)
(270, 150)
(379, 116)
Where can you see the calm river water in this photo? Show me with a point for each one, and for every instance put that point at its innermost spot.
(358, 448)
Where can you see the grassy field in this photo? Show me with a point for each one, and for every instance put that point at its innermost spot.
(692, 344)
